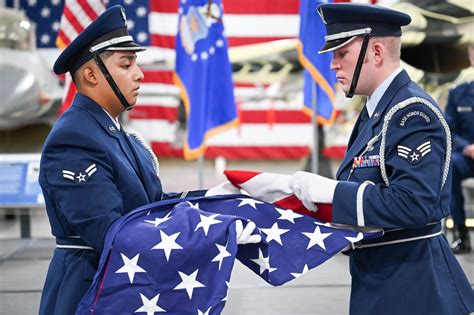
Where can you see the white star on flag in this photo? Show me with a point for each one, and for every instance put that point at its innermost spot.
(355, 239)
(55, 26)
(142, 36)
(316, 238)
(130, 25)
(223, 253)
(158, 221)
(206, 222)
(45, 12)
(45, 39)
(288, 215)
(263, 262)
(205, 312)
(130, 266)
(168, 243)
(189, 283)
(194, 206)
(274, 233)
(150, 306)
(305, 270)
(249, 201)
(141, 11)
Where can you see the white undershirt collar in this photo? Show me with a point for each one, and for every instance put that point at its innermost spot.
(115, 120)
(374, 99)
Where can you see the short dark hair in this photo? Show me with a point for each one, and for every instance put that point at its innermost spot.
(103, 55)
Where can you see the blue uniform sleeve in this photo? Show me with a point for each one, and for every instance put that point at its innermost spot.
(78, 175)
(453, 120)
(415, 156)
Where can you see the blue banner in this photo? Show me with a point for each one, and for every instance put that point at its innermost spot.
(203, 73)
(317, 67)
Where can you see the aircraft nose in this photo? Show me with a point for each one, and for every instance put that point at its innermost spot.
(19, 93)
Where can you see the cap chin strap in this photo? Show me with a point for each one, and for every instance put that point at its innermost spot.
(358, 67)
(109, 79)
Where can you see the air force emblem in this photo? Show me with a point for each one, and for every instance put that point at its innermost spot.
(413, 156)
(80, 176)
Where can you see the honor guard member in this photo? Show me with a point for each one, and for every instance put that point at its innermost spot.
(460, 118)
(92, 172)
(395, 174)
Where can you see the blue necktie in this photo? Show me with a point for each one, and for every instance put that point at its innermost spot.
(363, 119)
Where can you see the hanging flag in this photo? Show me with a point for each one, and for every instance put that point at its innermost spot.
(203, 73)
(176, 256)
(77, 14)
(317, 67)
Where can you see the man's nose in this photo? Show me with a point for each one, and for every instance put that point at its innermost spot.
(139, 76)
(334, 64)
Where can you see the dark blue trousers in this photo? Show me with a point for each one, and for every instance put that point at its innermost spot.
(463, 167)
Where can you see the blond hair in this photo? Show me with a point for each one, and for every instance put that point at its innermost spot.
(393, 44)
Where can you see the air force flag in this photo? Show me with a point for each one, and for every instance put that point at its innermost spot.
(203, 73)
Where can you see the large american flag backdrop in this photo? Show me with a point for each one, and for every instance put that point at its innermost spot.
(269, 128)
(177, 256)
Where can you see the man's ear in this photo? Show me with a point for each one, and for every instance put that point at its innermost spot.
(379, 51)
(89, 75)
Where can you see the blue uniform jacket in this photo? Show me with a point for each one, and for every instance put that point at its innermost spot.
(420, 276)
(90, 175)
(460, 115)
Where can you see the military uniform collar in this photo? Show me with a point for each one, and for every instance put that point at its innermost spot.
(97, 112)
(358, 142)
(374, 99)
(114, 120)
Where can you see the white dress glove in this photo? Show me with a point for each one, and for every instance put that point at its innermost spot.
(245, 235)
(311, 188)
(225, 188)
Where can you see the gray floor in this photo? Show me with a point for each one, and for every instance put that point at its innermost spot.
(325, 290)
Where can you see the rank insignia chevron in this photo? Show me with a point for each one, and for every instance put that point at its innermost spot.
(80, 176)
(413, 156)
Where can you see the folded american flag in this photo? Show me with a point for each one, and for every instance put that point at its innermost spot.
(176, 256)
(275, 188)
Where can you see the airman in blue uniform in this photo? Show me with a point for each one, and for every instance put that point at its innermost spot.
(460, 118)
(395, 174)
(92, 172)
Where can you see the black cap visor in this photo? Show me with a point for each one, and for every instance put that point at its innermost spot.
(336, 44)
(127, 46)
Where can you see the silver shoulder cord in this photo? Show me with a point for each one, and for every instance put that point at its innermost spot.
(154, 158)
(388, 117)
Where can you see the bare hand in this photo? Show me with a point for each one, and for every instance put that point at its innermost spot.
(469, 151)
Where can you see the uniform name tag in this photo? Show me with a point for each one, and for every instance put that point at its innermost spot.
(464, 109)
(366, 161)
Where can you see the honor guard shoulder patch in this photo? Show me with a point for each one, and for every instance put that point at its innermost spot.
(413, 156)
(80, 176)
(415, 114)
